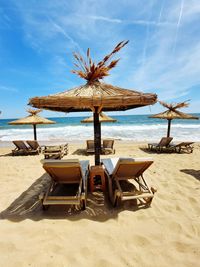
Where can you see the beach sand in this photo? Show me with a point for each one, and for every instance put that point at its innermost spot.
(165, 234)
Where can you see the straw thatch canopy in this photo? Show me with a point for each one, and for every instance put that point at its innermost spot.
(172, 113)
(95, 95)
(102, 118)
(33, 119)
(86, 97)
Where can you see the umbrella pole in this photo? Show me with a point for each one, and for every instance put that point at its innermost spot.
(34, 130)
(169, 127)
(97, 136)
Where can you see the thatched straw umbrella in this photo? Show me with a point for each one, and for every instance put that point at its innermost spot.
(95, 95)
(33, 119)
(102, 118)
(172, 113)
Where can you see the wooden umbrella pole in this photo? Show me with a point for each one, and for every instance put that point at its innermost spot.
(97, 136)
(169, 127)
(34, 130)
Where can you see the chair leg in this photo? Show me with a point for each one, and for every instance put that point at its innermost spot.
(83, 204)
(117, 202)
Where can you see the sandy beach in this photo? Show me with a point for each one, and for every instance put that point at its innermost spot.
(166, 234)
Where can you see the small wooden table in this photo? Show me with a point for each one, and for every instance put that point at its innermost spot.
(97, 178)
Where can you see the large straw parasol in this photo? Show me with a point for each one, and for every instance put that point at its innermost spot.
(95, 95)
(33, 119)
(172, 113)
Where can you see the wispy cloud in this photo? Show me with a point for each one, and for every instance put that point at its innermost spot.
(163, 54)
(8, 89)
(134, 22)
(178, 24)
(106, 19)
(61, 30)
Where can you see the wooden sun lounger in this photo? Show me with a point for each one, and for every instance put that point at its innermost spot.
(22, 149)
(108, 146)
(34, 145)
(90, 146)
(119, 171)
(182, 147)
(71, 173)
(55, 152)
(162, 145)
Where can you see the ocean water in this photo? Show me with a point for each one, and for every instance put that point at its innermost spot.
(128, 127)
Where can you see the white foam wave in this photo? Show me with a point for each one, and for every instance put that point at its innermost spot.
(125, 132)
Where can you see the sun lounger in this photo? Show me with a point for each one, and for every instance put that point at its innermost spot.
(34, 145)
(119, 171)
(108, 146)
(182, 147)
(163, 144)
(71, 174)
(90, 146)
(55, 152)
(22, 149)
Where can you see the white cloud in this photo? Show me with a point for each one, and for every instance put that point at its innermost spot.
(106, 19)
(8, 89)
(163, 55)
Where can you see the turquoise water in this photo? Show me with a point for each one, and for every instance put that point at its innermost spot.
(129, 127)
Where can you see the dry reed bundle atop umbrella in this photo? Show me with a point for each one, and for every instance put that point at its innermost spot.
(172, 112)
(90, 71)
(33, 119)
(95, 95)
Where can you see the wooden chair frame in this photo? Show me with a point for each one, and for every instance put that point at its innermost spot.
(144, 194)
(80, 196)
(163, 144)
(22, 149)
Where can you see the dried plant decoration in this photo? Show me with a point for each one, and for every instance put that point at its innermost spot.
(91, 71)
(34, 111)
(175, 106)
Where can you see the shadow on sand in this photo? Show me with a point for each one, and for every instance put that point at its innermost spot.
(194, 173)
(146, 150)
(6, 155)
(80, 151)
(28, 206)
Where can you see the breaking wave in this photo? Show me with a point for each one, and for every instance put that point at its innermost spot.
(124, 132)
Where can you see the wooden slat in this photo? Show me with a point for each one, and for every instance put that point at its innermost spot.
(61, 202)
(146, 195)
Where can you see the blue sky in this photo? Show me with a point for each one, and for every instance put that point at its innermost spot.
(37, 39)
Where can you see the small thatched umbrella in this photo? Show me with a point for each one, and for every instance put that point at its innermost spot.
(172, 113)
(95, 95)
(102, 118)
(33, 119)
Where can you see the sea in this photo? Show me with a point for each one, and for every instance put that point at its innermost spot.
(128, 127)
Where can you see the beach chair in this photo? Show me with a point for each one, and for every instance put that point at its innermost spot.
(163, 144)
(72, 175)
(182, 147)
(108, 146)
(34, 145)
(119, 171)
(54, 152)
(90, 146)
(21, 148)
